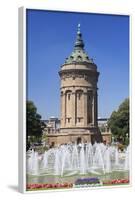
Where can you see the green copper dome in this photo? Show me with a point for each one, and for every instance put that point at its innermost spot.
(78, 54)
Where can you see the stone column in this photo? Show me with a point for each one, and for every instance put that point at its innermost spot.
(63, 109)
(94, 108)
(85, 114)
(73, 108)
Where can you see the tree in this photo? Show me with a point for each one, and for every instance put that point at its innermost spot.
(34, 124)
(119, 123)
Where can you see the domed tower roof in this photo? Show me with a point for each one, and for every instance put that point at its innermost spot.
(78, 54)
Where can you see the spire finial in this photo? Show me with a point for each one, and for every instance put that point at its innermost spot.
(79, 28)
(79, 42)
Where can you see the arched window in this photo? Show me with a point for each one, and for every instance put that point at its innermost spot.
(90, 94)
(79, 94)
(69, 96)
(68, 120)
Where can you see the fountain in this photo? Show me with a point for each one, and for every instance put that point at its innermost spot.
(82, 159)
(33, 163)
(116, 157)
(127, 159)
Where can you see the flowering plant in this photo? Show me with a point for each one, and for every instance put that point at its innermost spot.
(116, 181)
(48, 186)
(87, 181)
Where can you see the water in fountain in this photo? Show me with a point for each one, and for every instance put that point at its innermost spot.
(107, 160)
(89, 156)
(65, 159)
(45, 160)
(33, 164)
(126, 167)
(75, 158)
(98, 160)
(57, 162)
(80, 159)
(116, 157)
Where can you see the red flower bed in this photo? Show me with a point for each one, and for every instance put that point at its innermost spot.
(116, 181)
(48, 186)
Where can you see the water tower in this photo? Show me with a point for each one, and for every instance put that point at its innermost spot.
(79, 99)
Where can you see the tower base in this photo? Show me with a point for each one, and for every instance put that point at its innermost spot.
(75, 135)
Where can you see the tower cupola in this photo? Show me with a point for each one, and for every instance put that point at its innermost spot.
(78, 54)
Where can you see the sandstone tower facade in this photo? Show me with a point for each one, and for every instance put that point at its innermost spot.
(79, 99)
(79, 77)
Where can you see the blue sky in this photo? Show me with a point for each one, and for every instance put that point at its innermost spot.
(50, 39)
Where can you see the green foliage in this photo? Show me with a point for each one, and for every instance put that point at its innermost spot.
(34, 124)
(119, 123)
